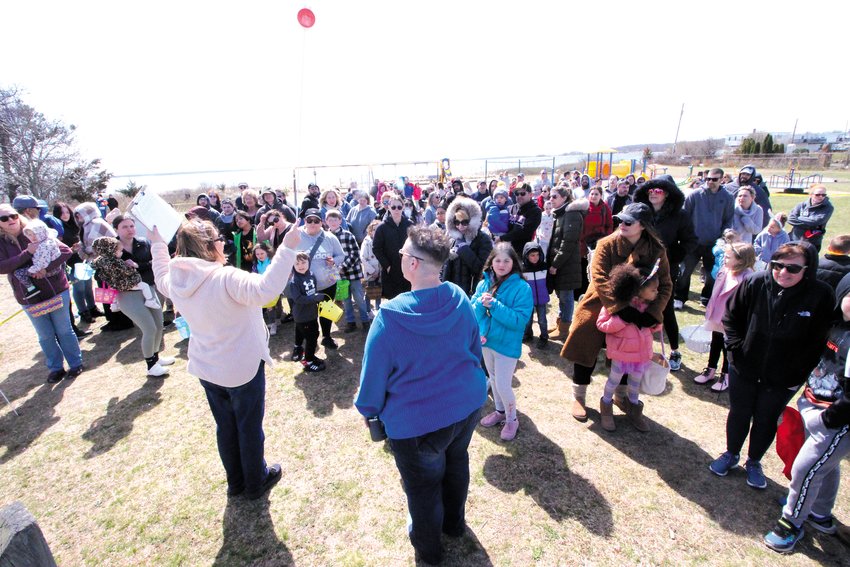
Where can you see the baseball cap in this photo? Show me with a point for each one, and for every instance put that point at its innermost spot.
(636, 212)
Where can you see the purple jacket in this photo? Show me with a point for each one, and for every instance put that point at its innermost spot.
(15, 255)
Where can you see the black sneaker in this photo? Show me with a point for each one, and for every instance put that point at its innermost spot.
(74, 372)
(675, 361)
(81, 333)
(271, 479)
(542, 343)
(315, 365)
(328, 342)
(366, 325)
(350, 327)
(526, 337)
(55, 376)
(297, 354)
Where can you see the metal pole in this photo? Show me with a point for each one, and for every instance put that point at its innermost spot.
(485, 173)
(676, 140)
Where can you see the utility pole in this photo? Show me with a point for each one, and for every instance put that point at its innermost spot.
(676, 140)
(794, 131)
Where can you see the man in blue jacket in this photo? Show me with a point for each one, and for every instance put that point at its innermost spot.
(422, 377)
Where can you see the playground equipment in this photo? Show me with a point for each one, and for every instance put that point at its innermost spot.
(794, 182)
(598, 167)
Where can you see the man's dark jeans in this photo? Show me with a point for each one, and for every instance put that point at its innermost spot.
(434, 470)
(238, 414)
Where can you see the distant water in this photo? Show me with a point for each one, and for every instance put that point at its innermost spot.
(335, 176)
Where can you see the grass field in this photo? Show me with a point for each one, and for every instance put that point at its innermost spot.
(122, 470)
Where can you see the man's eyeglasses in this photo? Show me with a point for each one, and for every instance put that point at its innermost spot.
(403, 253)
(520, 193)
(312, 220)
(818, 194)
(790, 268)
(7, 218)
(712, 179)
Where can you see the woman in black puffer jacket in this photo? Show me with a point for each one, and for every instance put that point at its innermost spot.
(471, 244)
(677, 233)
(564, 254)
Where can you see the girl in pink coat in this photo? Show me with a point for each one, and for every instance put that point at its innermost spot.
(738, 261)
(628, 341)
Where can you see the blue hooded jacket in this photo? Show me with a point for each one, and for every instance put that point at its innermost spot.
(508, 314)
(422, 363)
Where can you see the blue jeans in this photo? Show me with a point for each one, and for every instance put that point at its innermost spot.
(541, 321)
(238, 414)
(56, 336)
(566, 302)
(83, 293)
(355, 290)
(434, 470)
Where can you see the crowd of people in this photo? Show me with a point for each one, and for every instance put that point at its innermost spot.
(464, 271)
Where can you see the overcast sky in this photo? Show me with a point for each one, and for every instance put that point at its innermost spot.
(183, 86)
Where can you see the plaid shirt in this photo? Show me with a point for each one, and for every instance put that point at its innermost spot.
(351, 268)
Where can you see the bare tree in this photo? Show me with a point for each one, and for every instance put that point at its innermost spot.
(37, 154)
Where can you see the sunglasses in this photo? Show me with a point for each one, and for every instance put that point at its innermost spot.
(790, 268)
(7, 218)
(219, 239)
(520, 193)
(712, 179)
(464, 222)
(627, 222)
(312, 220)
(656, 191)
(396, 208)
(818, 194)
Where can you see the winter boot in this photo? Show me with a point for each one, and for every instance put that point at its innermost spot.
(620, 399)
(579, 409)
(607, 413)
(635, 415)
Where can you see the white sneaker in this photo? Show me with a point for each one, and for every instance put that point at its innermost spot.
(273, 329)
(166, 360)
(678, 304)
(157, 370)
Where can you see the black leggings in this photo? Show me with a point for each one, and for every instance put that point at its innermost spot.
(754, 408)
(718, 345)
(671, 325)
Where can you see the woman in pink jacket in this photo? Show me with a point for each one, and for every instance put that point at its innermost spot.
(628, 345)
(228, 358)
(738, 262)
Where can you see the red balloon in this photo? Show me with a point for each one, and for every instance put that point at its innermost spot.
(306, 17)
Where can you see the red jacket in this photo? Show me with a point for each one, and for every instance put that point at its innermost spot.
(597, 224)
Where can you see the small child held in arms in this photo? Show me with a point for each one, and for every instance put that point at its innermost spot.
(47, 251)
(738, 263)
(371, 266)
(628, 346)
(117, 274)
(305, 311)
(534, 271)
(768, 240)
(272, 314)
(498, 215)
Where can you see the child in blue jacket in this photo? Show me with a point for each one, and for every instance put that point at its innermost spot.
(498, 216)
(534, 272)
(502, 303)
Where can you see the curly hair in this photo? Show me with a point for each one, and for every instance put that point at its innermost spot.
(626, 280)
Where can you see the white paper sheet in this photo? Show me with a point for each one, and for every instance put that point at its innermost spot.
(152, 211)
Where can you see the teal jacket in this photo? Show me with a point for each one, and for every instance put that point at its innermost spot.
(509, 312)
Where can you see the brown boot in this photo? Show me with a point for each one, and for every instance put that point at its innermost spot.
(607, 413)
(620, 399)
(559, 334)
(579, 409)
(635, 415)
